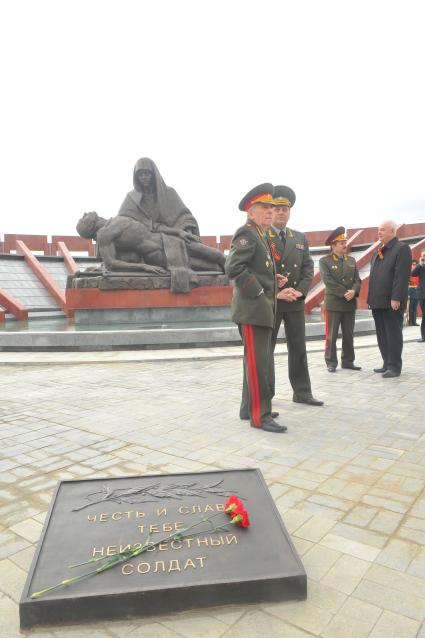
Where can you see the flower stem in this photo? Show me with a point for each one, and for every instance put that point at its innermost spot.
(124, 556)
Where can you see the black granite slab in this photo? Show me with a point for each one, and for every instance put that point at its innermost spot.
(96, 517)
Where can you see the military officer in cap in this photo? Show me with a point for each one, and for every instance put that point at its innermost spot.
(251, 268)
(342, 285)
(292, 259)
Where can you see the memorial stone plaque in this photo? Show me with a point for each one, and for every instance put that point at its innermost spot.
(201, 566)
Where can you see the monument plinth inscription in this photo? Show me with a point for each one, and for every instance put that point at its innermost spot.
(195, 557)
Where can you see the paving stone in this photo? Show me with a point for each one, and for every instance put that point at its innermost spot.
(325, 597)
(315, 528)
(28, 529)
(397, 554)
(10, 544)
(360, 515)
(342, 626)
(386, 522)
(392, 625)
(12, 577)
(390, 599)
(364, 536)
(417, 566)
(354, 608)
(193, 627)
(258, 624)
(346, 574)
(303, 615)
(318, 561)
(347, 546)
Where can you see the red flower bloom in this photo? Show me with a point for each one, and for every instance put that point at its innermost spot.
(241, 519)
(231, 505)
(234, 507)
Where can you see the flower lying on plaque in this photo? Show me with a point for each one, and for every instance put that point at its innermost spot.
(234, 508)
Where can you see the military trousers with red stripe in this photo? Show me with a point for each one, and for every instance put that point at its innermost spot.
(256, 401)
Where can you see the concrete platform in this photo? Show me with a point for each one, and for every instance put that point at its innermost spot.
(177, 337)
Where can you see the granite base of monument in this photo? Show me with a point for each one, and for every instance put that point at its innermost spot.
(200, 567)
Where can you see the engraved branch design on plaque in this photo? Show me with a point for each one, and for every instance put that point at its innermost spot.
(151, 493)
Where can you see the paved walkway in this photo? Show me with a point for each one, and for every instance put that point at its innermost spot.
(347, 478)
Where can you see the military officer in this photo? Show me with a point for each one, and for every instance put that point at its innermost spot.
(250, 266)
(342, 285)
(292, 259)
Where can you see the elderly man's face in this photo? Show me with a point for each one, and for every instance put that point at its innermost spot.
(281, 215)
(386, 232)
(261, 214)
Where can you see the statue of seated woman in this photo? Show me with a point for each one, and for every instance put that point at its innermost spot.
(156, 205)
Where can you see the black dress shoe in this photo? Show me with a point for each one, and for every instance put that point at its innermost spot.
(271, 426)
(246, 418)
(380, 370)
(421, 340)
(331, 369)
(389, 374)
(308, 401)
(415, 324)
(351, 366)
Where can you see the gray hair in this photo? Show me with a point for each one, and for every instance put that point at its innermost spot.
(391, 223)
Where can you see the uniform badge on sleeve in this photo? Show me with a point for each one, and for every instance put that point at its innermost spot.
(300, 246)
(242, 241)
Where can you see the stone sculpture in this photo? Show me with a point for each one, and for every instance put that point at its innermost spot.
(153, 234)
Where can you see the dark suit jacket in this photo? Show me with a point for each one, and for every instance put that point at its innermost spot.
(294, 259)
(419, 271)
(389, 277)
(251, 267)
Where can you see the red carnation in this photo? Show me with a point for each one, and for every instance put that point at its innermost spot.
(241, 519)
(232, 503)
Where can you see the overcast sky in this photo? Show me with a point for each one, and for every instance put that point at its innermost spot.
(326, 96)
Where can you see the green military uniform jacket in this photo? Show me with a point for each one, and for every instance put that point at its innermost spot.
(339, 275)
(294, 259)
(250, 266)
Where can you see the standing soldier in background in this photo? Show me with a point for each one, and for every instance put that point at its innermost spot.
(292, 259)
(413, 299)
(419, 272)
(251, 267)
(388, 283)
(342, 285)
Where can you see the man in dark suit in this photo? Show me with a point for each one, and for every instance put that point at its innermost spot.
(419, 271)
(292, 259)
(388, 283)
(250, 266)
(342, 285)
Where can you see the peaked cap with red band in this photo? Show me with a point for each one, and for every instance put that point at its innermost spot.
(262, 194)
(283, 196)
(336, 235)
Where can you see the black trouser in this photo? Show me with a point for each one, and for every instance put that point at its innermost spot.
(422, 305)
(335, 319)
(413, 303)
(389, 333)
(256, 400)
(299, 377)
